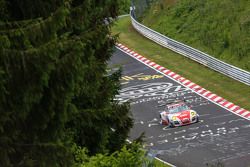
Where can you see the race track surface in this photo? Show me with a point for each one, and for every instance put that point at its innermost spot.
(219, 137)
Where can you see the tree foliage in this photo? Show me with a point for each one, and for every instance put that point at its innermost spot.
(55, 93)
(124, 6)
(129, 156)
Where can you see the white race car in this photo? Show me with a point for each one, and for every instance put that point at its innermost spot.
(178, 114)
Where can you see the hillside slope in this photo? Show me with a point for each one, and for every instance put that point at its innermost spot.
(220, 28)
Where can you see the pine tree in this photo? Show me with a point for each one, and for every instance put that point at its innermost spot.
(54, 89)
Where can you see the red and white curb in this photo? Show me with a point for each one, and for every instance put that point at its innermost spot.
(189, 84)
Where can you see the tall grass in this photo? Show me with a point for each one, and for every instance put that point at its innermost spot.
(220, 28)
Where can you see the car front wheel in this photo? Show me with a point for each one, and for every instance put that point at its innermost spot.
(197, 120)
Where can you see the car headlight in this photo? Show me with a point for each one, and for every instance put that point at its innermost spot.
(193, 114)
(174, 118)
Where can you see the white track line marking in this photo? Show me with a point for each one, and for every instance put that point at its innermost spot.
(184, 82)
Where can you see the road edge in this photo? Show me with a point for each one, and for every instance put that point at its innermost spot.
(229, 106)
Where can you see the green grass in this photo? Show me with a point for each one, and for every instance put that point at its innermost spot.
(219, 84)
(220, 28)
(160, 164)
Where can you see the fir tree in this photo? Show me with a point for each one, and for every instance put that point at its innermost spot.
(54, 89)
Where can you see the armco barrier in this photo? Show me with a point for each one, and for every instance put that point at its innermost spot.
(194, 54)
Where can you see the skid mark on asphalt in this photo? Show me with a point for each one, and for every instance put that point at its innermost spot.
(187, 83)
(231, 157)
(160, 92)
(147, 90)
(220, 116)
(204, 115)
(217, 129)
(175, 135)
(227, 146)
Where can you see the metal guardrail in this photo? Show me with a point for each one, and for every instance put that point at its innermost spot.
(194, 54)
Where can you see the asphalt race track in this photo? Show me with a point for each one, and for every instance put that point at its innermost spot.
(219, 137)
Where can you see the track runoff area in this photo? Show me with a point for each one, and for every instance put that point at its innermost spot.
(222, 135)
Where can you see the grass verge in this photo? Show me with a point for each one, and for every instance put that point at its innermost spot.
(159, 164)
(232, 90)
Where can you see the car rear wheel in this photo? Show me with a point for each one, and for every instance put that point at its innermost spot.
(171, 125)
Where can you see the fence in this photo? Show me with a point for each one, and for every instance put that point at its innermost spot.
(194, 54)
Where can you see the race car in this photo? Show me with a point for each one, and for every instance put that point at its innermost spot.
(177, 113)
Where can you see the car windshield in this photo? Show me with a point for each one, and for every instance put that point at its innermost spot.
(178, 108)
